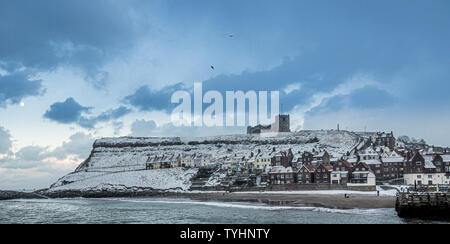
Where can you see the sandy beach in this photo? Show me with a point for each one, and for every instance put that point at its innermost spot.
(322, 200)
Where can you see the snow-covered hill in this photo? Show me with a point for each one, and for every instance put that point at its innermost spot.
(158, 179)
(119, 163)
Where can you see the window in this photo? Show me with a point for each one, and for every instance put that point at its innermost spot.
(419, 177)
(430, 176)
(430, 182)
(418, 163)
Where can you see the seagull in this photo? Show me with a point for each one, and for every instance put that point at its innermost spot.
(212, 67)
(230, 35)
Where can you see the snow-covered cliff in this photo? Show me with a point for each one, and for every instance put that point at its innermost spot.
(119, 163)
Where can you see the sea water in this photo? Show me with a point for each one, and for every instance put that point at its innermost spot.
(182, 211)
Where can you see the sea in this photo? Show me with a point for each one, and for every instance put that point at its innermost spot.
(183, 211)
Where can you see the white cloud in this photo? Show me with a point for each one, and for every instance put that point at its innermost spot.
(5, 141)
(3, 72)
(38, 167)
(142, 128)
(292, 87)
(79, 144)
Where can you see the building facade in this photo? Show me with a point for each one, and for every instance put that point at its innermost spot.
(280, 175)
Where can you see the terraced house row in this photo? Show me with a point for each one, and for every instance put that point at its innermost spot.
(341, 173)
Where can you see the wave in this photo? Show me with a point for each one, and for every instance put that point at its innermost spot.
(379, 211)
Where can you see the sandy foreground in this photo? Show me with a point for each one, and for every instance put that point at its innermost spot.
(360, 201)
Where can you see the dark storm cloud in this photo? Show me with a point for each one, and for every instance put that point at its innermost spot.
(146, 99)
(66, 112)
(109, 115)
(336, 40)
(14, 87)
(46, 34)
(70, 111)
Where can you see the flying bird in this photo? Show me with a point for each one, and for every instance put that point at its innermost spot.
(212, 67)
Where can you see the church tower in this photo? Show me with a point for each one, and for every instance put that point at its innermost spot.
(282, 123)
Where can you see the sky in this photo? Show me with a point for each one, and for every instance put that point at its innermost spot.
(74, 71)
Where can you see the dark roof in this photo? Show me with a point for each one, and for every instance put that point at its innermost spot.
(327, 166)
(345, 162)
(309, 167)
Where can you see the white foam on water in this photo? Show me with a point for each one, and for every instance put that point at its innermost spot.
(268, 208)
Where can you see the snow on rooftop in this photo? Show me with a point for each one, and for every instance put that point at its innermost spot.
(392, 159)
(372, 161)
(281, 170)
(446, 158)
(429, 164)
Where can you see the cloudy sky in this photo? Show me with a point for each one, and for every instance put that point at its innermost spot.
(73, 71)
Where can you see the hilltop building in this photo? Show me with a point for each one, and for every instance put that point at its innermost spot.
(281, 124)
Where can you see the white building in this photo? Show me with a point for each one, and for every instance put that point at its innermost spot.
(369, 176)
(187, 160)
(421, 170)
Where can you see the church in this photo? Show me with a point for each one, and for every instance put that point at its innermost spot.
(281, 124)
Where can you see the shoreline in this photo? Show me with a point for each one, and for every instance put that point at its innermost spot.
(333, 201)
